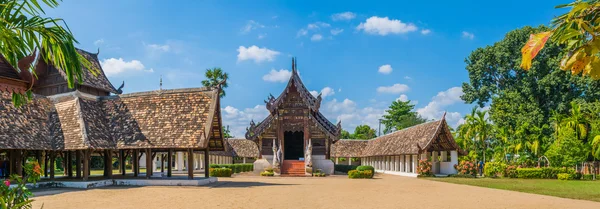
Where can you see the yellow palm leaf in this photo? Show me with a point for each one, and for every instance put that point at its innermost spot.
(533, 46)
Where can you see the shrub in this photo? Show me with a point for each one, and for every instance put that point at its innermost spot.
(461, 175)
(266, 173)
(466, 167)
(345, 168)
(366, 168)
(356, 174)
(529, 173)
(18, 196)
(319, 173)
(564, 176)
(510, 171)
(588, 177)
(220, 172)
(424, 168)
(494, 169)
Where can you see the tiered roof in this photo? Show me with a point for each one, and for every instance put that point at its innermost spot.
(183, 118)
(10, 80)
(242, 148)
(430, 136)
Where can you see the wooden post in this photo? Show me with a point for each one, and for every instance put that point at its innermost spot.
(206, 163)
(38, 156)
(19, 163)
(52, 156)
(108, 164)
(148, 163)
(86, 164)
(190, 165)
(78, 163)
(162, 163)
(46, 159)
(136, 162)
(169, 162)
(122, 167)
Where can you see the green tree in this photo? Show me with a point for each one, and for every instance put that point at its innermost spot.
(577, 121)
(568, 151)
(345, 135)
(226, 132)
(215, 77)
(400, 115)
(364, 132)
(25, 32)
(479, 127)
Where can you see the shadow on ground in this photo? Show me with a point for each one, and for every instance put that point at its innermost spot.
(240, 184)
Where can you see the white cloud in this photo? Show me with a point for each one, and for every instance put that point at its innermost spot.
(385, 69)
(261, 36)
(302, 32)
(343, 16)
(277, 76)
(238, 120)
(336, 31)
(257, 54)
(384, 26)
(408, 78)
(317, 25)
(114, 66)
(316, 37)
(394, 89)
(350, 115)
(403, 98)
(325, 92)
(251, 25)
(158, 47)
(99, 42)
(468, 35)
(435, 109)
(425, 31)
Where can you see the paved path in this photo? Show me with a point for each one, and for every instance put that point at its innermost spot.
(386, 191)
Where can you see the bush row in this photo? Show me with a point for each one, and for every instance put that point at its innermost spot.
(544, 173)
(219, 172)
(236, 168)
(366, 168)
(345, 168)
(356, 174)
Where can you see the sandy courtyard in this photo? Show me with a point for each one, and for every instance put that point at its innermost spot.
(385, 191)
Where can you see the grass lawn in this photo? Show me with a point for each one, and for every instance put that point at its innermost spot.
(583, 190)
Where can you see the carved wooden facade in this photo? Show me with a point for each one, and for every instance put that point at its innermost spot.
(296, 110)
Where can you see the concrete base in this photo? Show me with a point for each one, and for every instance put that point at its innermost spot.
(397, 173)
(325, 165)
(260, 165)
(123, 182)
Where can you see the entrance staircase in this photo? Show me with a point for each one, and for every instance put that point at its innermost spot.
(292, 168)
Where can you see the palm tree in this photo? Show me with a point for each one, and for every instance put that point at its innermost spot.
(215, 77)
(577, 121)
(478, 127)
(24, 31)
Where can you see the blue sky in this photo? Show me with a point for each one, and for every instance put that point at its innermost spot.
(361, 55)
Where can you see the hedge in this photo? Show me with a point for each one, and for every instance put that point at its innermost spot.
(345, 168)
(588, 177)
(543, 173)
(459, 175)
(356, 174)
(565, 176)
(236, 168)
(220, 172)
(366, 168)
(495, 169)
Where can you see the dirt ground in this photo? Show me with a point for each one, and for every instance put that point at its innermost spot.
(385, 191)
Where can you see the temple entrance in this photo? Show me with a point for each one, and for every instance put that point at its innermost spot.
(293, 145)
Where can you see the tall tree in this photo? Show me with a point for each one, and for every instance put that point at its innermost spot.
(364, 132)
(214, 77)
(480, 127)
(25, 32)
(400, 115)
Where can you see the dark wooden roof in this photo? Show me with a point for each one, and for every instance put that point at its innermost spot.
(10, 81)
(430, 136)
(313, 103)
(182, 118)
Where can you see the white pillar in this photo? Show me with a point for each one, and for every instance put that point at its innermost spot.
(179, 161)
(387, 163)
(349, 161)
(454, 159)
(402, 166)
(414, 164)
(337, 160)
(435, 165)
(244, 160)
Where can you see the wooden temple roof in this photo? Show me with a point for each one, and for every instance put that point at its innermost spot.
(10, 80)
(313, 103)
(430, 136)
(178, 119)
(242, 148)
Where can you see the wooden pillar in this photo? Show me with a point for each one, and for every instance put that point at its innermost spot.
(78, 163)
(11, 162)
(190, 165)
(46, 159)
(162, 163)
(38, 156)
(52, 156)
(86, 164)
(19, 163)
(148, 163)
(122, 167)
(206, 163)
(69, 165)
(169, 162)
(136, 162)
(108, 164)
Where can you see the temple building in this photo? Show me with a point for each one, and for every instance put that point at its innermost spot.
(295, 138)
(399, 152)
(95, 120)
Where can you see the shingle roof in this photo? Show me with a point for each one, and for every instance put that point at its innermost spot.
(428, 136)
(242, 147)
(179, 118)
(99, 81)
(10, 80)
